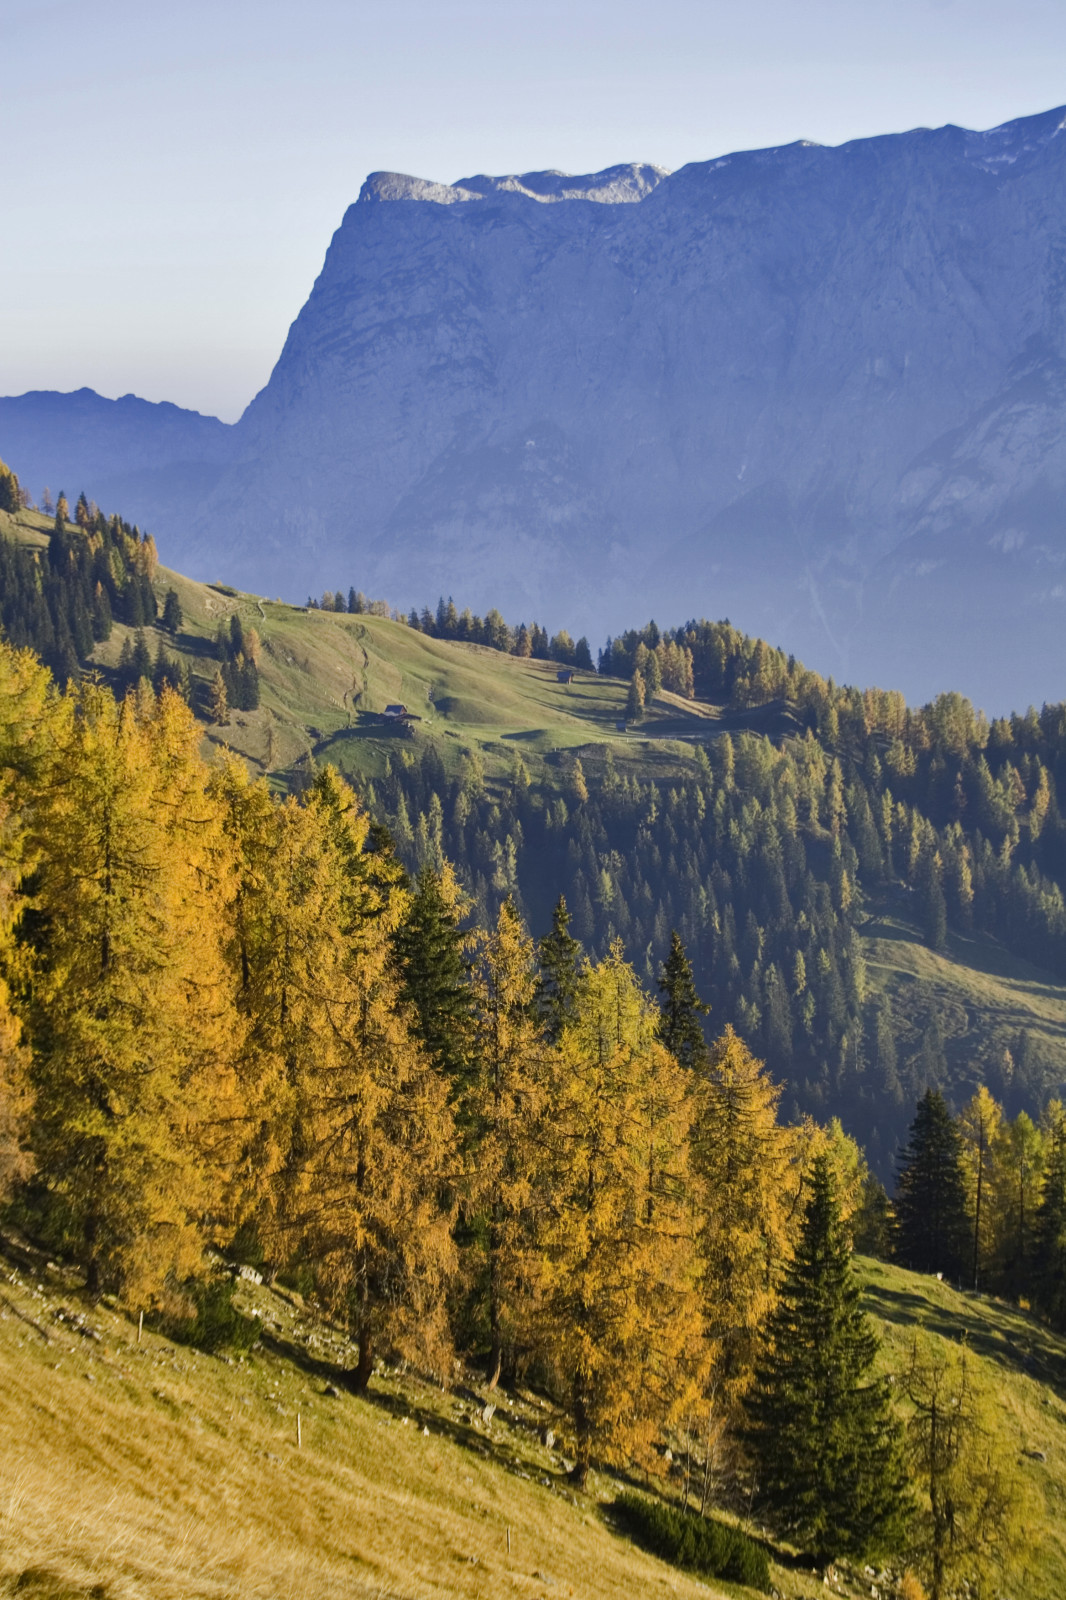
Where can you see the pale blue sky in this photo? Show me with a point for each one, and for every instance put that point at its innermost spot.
(171, 174)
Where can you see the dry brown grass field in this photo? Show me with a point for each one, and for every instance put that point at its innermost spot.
(148, 1469)
(130, 1470)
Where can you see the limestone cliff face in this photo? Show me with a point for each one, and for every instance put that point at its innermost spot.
(821, 391)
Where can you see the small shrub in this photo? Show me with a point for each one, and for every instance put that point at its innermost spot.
(246, 1247)
(217, 1324)
(694, 1542)
(298, 1275)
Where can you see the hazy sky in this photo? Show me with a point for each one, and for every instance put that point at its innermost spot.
(172, 173)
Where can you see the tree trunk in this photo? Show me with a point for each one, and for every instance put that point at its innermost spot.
(977, 1208)
(93, 1284)
(363, 1370)
(496, 1345)
(583, 1429)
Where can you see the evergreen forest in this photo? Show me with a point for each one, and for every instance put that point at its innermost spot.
(769, 856)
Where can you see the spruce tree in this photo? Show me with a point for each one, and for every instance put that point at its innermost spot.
(826, 1446)
(172, 612)
(1049, 1264)
(681, 1008)
(434, 971)
(141, 662)
(932, 1229)
(556, 988)
(635, 699)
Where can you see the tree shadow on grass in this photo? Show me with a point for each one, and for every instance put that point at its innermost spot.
(502, 1447)
(1011, 1339)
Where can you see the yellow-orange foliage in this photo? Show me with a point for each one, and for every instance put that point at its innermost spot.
(348, 1133)
(741, 1156)
(25, 705)
(621, 1307)
(502, 1108)
(133, 1023)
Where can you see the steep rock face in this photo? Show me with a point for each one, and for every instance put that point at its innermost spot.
(821, 391)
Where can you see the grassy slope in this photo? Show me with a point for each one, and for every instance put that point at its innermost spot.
(1020, 1363)
(981, 993)
(154, 1471)
(325, 677)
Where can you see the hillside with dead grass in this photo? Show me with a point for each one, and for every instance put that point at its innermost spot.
(134, 1466)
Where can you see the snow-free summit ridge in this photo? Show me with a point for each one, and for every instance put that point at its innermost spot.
(819, 390)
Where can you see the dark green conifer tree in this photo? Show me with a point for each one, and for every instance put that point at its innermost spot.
(827, 1448)
(141, 664)
(101, 614)
(249, 686)
(635, 698)
(681, 1008)
(931, 903)
(435, 972)
(125, 668)
(172, 612)
(133, 604)
(885, 1052)
(931, 1224)
(1049, 1265)
(60, 545)
(165, 674)
(556, 989)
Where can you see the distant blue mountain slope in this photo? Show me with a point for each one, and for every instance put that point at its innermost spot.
(148, 461)
(821, 391)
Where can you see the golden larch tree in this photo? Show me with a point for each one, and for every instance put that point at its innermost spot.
(132, 1021)
(979, 1126)
(26, 710)
(621, 1310)
(501, 1110)
(745, 1185)
(346, 1158)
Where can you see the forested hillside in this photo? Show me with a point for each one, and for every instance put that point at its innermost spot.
(870, 893)
(789, 864)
